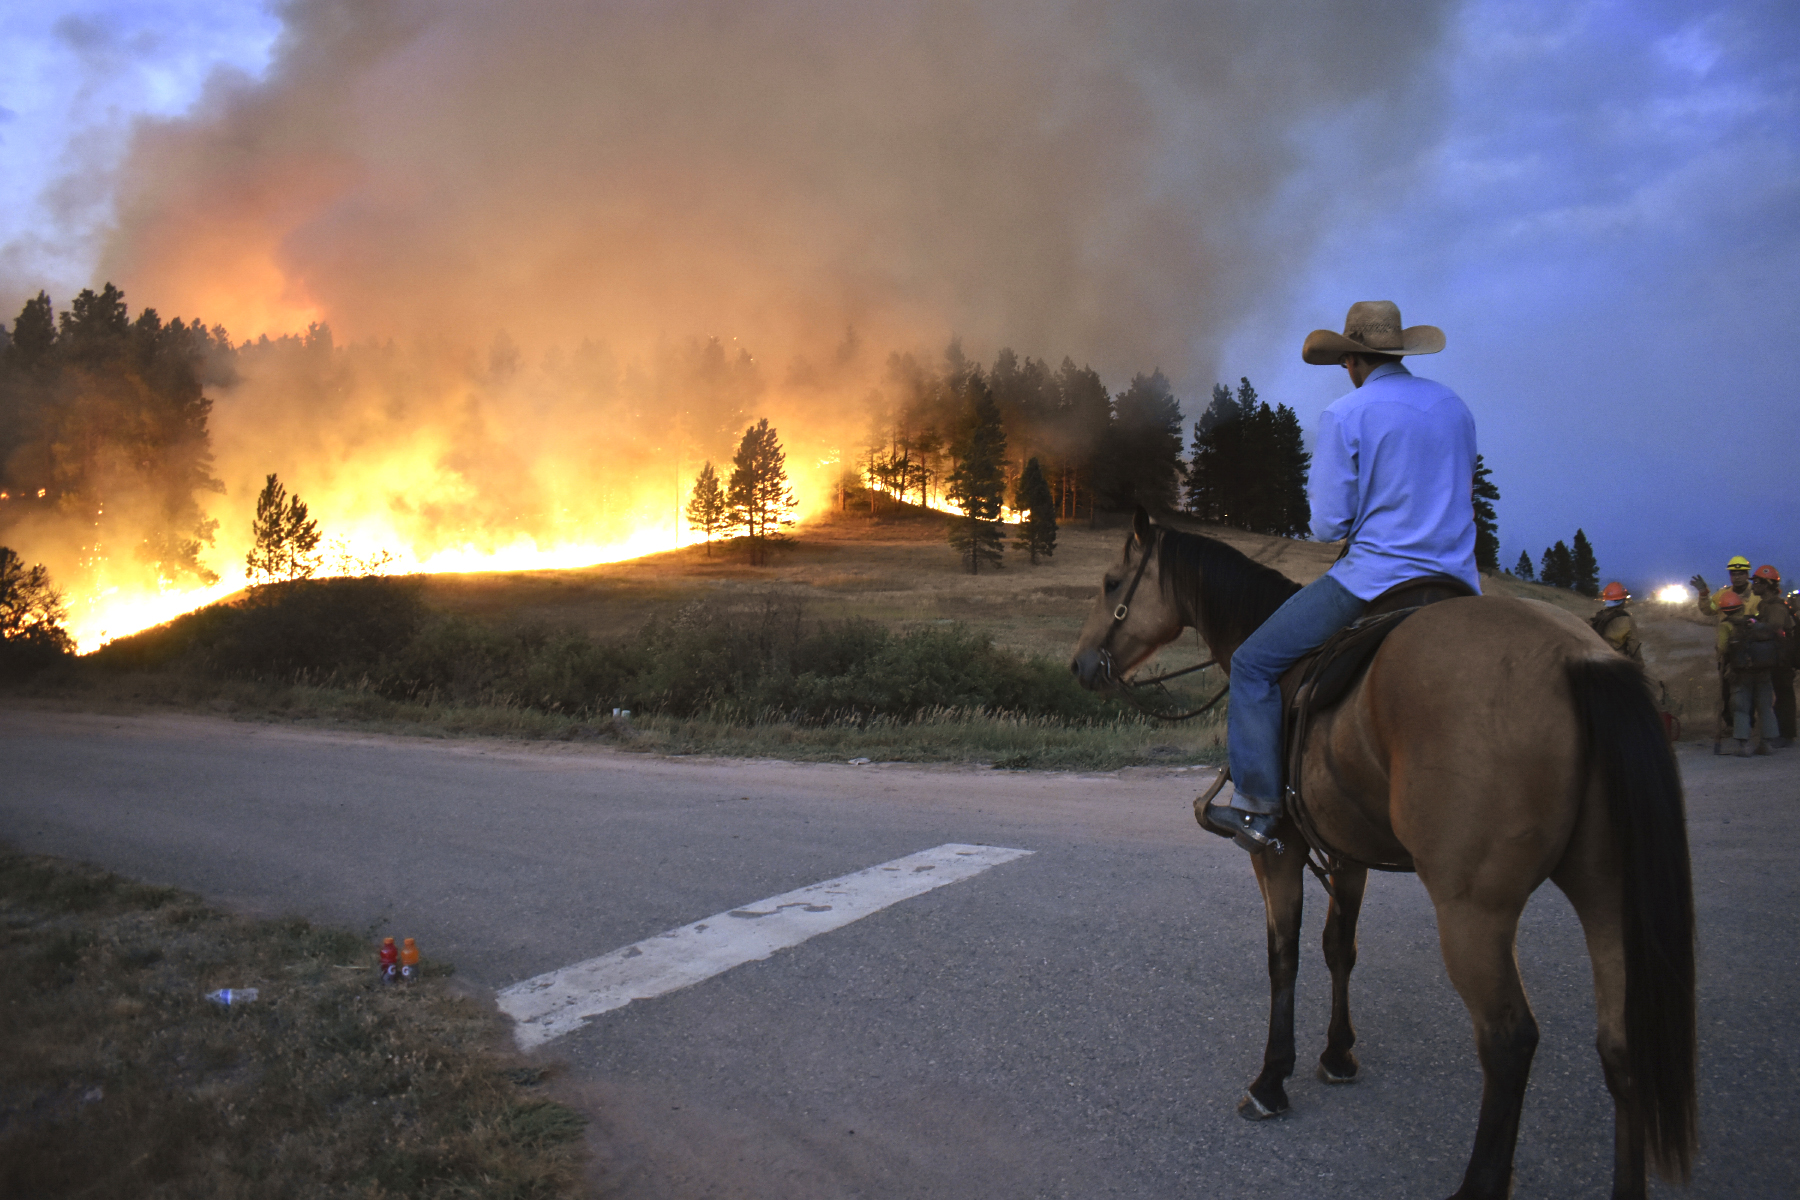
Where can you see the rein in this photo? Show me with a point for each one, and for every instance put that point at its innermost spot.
(1126, 687)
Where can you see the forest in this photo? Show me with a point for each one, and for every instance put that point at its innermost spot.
(106, 432)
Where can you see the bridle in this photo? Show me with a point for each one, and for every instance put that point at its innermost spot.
(1125, 687)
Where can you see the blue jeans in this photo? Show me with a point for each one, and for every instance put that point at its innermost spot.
(1750, 695)
(1253, 730)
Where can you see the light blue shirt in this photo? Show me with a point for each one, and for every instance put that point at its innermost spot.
(1394, 470)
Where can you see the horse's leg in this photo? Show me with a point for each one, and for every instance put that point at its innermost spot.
(1478, 941)
(1338, 1064)
(1589, 877)
(1280, 876)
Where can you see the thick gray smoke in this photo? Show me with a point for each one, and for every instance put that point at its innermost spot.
(1069, 177)
(573, 244)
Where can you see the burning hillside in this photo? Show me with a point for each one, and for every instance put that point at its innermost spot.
(570, 250)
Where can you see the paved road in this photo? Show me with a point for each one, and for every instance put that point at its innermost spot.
(1077, 1023)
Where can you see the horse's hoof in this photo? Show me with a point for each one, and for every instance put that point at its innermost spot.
(1327, 1075)
(1252, 1109)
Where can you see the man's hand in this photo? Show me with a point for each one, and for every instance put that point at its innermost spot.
(1699, 583)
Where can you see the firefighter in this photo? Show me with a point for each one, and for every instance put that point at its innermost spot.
(1748, 648)
(1765, 583)
(1613, 622)
(1738, 568)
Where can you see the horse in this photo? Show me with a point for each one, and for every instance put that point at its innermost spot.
(1492, 743)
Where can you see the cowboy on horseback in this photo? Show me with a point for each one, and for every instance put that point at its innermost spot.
(1393, 462)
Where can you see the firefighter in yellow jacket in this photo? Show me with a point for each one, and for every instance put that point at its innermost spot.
(1613, 622)
(1765, 585)
(1738, 568)
(1748, 647)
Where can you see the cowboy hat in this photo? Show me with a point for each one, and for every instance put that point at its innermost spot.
(1372, 327)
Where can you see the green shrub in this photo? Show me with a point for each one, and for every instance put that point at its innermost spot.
(316, 627)
(713, 660)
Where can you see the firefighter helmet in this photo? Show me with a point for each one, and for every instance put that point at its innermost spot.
(1738, 563)
(1730, 601)
(1615, 591)
(1767, 572)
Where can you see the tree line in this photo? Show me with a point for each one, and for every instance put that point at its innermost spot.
(1564, 566)
(103, 425)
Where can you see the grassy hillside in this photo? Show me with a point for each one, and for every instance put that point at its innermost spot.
(538, 654)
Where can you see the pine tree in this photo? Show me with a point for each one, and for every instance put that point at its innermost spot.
(707, 510)
(761, 502)
(1557, 568)
(1139, 460)
(1211, 479)
(977, 485)
(32, 614)
(1037, 524)
(1584, 569)
(1524, 570)
(33, 333)
(1487, 528)
(284, 541)
(1250, 465)
(1290, 463)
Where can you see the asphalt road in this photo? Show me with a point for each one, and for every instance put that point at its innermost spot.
(1078, 1023)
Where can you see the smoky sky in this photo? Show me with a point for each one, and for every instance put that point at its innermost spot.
(1599, 203)
(1067, 178)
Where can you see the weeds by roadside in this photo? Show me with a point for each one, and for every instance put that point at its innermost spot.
(746, 676)
(118, 1079)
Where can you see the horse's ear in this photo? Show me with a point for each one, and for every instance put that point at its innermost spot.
(1140, 526)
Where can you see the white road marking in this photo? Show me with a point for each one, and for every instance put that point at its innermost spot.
(561, 1001)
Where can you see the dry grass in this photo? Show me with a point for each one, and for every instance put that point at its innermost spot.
(898, 571)
(118, 1079)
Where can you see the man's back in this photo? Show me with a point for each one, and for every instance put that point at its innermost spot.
(1393, 469)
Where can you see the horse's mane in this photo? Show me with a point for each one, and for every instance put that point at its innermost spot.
(1239, 595)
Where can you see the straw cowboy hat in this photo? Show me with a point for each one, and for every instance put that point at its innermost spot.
(1373, 327)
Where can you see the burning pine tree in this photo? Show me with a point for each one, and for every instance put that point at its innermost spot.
(284, 540)
(761, 501)
(707, 509)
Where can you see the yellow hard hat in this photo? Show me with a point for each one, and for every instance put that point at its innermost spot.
(1738, 563)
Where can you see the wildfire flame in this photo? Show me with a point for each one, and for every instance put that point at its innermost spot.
(119, 611)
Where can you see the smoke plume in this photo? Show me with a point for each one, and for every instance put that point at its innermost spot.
(526, 219)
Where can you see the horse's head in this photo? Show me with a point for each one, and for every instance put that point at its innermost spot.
(1134, 616)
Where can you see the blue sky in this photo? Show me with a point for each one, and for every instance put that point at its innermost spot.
(73, 79)
(1606, 224)
(1598, 202)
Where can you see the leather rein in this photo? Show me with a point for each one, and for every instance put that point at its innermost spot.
(1127, 688)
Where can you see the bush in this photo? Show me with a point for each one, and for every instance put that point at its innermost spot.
(318, 627)
(703, 660)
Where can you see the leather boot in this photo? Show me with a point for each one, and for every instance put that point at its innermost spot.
(1743, 750)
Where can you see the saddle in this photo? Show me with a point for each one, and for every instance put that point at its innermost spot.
(1319, 681)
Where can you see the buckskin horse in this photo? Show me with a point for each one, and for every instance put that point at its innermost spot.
(1491, 744)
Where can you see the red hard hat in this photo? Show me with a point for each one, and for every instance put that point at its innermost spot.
(1729, 599)
(1767, 572)
(1615, 591)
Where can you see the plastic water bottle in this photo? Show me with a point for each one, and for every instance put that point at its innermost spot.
(231, 996)
(390, 961)
(409, 962)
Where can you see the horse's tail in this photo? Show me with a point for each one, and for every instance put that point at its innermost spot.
(1637, 771)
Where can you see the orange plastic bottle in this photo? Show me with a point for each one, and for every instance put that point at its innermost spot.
(409, 961)
(390, 961)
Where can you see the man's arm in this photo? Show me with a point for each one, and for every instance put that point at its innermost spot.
(1705, 600)
(1331, 487)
